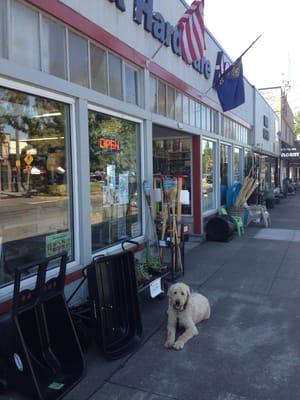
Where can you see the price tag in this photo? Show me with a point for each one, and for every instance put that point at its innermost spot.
(155, 288)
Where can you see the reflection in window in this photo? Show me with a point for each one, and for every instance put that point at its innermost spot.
(171, 102)
(178, 107)
(98, 69)
(214, 121)
(237, 165)
(192, 112)
(264, 173)
(153, 94)
(208, 120)
(208, 176)
(114, 179)
(162, 104)
(248, 162)
(25, 42)
(185, 109)
(203, 117)
(35, 187)
(224, 171)
(115, 76)
(79, 70)
(54, 48)
(198, 115)
(173, 157)
(131, 84)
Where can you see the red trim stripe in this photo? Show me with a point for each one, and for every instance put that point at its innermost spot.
(81, 24)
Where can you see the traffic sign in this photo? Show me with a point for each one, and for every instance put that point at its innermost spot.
(28, 159)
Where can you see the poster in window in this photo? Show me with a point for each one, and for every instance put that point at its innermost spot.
(111, 175)
(58, 242)
(123, 188)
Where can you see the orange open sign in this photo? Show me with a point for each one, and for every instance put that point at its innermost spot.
(109, 144)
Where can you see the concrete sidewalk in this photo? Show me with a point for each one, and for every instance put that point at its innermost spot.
(250, 347)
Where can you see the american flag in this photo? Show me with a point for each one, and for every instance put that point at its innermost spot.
(192, 30)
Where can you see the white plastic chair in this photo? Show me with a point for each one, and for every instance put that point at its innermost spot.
(257, 213)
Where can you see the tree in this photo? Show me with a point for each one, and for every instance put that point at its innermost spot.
(113, 128)
(297, 126)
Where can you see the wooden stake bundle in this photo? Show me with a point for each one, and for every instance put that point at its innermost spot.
(249, 185)
(179, 215)
(170, 188)
(164, 212)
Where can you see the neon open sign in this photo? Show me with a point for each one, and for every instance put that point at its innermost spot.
(109, 144)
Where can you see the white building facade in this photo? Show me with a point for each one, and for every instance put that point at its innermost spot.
(86, 116)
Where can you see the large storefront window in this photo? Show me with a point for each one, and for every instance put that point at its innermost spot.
(237, 165)
(114, 179)
(248, 162)
(208, 176)
(224, 171)
(172, 157)
(35, 188)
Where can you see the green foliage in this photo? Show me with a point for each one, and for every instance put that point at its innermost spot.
(19, 110)
(124, 131)
(153, 263)
(141, 271)
(297, 124)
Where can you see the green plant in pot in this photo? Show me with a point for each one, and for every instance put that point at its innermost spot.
(155, 267)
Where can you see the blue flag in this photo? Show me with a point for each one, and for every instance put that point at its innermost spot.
(230, 86)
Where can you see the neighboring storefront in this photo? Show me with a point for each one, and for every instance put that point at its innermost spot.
(290, 161)
(85, 118)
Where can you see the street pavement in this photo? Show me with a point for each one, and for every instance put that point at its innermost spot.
(250, 347)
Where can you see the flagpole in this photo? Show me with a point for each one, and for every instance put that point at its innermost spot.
(190, 10)
(244, 52)
(252, 44)
(148, 61)
(161, 45)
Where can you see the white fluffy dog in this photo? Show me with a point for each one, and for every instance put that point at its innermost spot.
(186, 308)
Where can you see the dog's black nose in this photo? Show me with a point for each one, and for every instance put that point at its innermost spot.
(177, 302)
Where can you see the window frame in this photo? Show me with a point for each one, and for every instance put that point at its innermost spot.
(115, 247)
(6, 290)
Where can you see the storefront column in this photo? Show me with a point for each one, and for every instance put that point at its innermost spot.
(85, 246)
(197, 184)
(147, 155)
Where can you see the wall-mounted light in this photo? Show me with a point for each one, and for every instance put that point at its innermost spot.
(54, 114)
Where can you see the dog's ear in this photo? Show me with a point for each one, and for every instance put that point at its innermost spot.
(188, 290)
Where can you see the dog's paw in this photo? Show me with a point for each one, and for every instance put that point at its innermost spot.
(169, 344)
(178, 345)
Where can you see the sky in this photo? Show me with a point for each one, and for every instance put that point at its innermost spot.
(275, 58)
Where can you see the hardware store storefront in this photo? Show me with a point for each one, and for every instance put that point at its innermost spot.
(85, 118)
